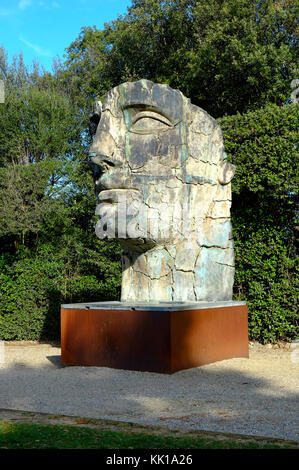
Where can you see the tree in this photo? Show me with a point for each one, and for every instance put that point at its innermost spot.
(39, 136)
(36, 124)
(49, 253)
(227, 56)
(24, 202)
(263, 146)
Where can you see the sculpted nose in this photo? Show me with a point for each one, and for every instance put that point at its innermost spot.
(103, 151)
(102, 162)
(103, 145)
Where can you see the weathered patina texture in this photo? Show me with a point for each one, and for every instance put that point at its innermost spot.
(164, 189)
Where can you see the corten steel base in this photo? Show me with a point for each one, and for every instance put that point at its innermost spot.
(159, 337)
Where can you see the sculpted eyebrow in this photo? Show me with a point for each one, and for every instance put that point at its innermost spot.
(143, 107)
(150, 114)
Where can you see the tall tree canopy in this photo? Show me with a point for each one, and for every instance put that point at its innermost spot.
(48, 251)
(227, 56)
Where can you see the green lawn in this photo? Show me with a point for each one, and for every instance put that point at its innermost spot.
(24, 435)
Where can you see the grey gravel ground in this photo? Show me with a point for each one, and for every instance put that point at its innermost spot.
(256, 396)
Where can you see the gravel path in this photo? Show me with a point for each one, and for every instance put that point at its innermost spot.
(257, 396)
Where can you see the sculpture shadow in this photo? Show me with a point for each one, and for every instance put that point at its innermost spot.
(225, 399)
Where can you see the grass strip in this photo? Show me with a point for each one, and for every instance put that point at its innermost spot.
(24, 435)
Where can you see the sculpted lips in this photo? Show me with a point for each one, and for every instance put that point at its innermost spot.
(110, 195)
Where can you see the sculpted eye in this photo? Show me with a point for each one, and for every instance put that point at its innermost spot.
(146, 122)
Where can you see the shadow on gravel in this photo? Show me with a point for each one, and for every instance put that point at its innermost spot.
(225, 400)
(56, 361)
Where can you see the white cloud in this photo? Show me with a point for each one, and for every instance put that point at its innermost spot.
(38, 49)
(23, 4)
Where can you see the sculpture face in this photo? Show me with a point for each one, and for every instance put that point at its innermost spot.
(139, 145)
(152, 146)
(161, 181)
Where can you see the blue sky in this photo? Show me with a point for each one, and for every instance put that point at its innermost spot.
(42, 29)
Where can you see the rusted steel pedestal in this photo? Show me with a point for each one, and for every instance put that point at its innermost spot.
(161, 337)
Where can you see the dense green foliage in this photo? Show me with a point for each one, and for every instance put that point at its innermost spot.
(49, 253)
(35, 283)
(229, 57)
(263, 146)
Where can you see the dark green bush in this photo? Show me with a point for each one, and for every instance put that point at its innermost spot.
(33, 285)
(263, 146)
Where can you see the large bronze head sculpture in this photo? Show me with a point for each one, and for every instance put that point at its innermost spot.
(164, 191)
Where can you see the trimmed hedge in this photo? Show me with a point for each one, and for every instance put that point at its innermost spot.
(33, 285)
(263, 146)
